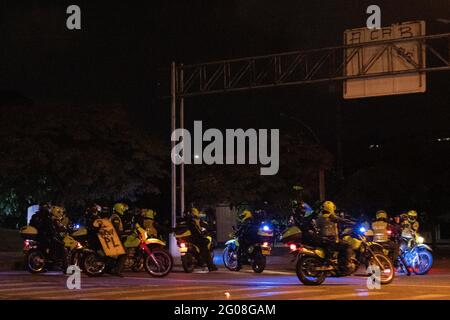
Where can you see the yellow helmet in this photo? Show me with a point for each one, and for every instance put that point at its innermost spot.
(329, 206)
(245, 215)
(148, 213)
(57, 212)
(120, 208)
(381, 214)
(412, 215)
(195, 213)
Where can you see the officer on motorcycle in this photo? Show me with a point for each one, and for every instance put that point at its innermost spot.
(304, 218)
(45, 220)
(410, 225)
(148, 222)
(121, 221)
(247, 231)
(381, 228)
(198, 230)
(328, 225)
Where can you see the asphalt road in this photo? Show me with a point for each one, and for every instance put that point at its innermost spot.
(223, 284)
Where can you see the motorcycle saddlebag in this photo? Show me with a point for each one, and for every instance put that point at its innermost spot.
(29, 233)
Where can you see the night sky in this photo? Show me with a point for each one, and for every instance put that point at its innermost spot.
(123, 52)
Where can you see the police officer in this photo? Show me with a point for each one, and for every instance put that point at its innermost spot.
(148, 222)
(410, 225)
(327, 224)
(198, 229)
(384, 233)
(122, 223)
(304, 218)
(247, 231)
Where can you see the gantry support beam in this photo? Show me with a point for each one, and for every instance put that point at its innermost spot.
(309, 66)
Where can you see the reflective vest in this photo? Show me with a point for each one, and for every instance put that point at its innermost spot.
(380, 233)
(327, 227)
(149, 226)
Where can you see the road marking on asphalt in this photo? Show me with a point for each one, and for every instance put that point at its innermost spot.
(29, 288)
(418, 285)
(285, 273)
(426, 296)
(277, 293)
(344, 296)
(78, 294)
(220, 292)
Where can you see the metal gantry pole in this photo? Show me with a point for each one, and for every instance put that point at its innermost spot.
(173, 95)
(182, 203)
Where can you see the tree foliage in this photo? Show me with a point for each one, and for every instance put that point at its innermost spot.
(72, 155)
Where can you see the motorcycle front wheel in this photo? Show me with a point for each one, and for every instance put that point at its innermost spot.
(231, 259)
(93, 265)
(387, 271)
(35, 261)
(259, 262)
(307, 272)
(422, 262)
(159, 263)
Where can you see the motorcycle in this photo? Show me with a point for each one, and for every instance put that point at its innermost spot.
(315, 264)
(38, 258)
(234, 257)
(140, 251)
(417, 255)
(190, 253)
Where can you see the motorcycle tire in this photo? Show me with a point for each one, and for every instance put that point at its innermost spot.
(259, 262)
(303, 275)
(388, 265)
(164, 259)
(417, 264)
(236, 265)
(35, 261)
(93, 265)
(187, 261)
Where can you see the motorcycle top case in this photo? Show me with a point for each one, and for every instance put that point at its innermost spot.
(29, 233)
(291, 234)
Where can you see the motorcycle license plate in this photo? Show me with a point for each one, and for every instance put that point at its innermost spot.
(265, 252)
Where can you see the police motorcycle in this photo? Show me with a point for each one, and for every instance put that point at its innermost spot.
(255, 255)
(190, 253)
(140, 250)
(315, 263)
(39, 258)
(415, 255)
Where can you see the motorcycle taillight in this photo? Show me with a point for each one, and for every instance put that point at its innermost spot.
(26, 244)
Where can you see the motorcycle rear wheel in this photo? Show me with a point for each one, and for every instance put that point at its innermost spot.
(187, 261)
(35, 261)
(164, 260)
(306, 273)
(93, 265)
(259, 262)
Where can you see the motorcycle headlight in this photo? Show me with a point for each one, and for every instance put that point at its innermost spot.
(362, 230)
(420, 240)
